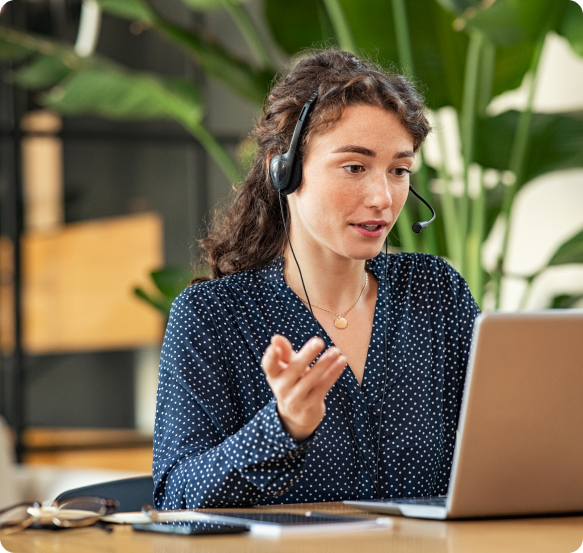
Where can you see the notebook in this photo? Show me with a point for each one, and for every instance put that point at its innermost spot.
(519, 449)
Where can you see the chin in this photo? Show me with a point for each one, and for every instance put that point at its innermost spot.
(363, 253)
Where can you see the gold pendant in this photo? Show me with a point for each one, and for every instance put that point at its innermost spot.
(341, 323)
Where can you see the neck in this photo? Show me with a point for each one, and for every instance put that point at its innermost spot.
(332, 282)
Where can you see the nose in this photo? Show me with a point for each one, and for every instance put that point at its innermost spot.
(379, 194)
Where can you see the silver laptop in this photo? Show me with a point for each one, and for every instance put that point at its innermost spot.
(519, 449)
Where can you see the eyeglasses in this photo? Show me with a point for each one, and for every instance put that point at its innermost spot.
(71, 513)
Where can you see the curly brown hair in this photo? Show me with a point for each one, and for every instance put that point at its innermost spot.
(250, 235)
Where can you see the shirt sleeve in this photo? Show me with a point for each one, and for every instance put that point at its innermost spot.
(205, 453)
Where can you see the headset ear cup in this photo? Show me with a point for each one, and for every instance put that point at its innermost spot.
(296, 177)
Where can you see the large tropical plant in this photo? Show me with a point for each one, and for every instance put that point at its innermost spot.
(462, 52)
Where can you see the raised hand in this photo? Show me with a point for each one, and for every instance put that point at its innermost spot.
(300, 389)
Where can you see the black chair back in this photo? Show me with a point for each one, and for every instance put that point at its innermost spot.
(131, 493)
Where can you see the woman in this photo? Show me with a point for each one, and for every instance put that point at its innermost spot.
(250, 411)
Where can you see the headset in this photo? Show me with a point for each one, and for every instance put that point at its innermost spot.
(285, 173)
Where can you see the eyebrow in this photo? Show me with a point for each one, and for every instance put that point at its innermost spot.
(352, 148)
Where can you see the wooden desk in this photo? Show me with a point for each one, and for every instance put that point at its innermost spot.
(535, 535)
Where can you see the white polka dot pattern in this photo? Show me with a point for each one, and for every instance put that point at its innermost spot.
(218, 438)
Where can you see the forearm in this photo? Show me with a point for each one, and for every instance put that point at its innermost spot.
(258, 462)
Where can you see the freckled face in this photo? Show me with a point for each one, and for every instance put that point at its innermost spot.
(355, 183)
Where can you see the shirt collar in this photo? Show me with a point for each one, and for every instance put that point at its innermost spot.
(274, 271)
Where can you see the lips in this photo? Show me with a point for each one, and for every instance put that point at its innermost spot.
(370, 229)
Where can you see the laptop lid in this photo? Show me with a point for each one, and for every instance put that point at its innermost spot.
(520, 445)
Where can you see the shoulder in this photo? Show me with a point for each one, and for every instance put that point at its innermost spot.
(416, 273)
(417, 265)
(435, 267)
(204, 312)
(220, 293)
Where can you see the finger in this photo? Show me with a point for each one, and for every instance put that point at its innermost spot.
(302, 390)
(327, 380)
(284, 346)
(304, 358)
(271, 362)
(311, 378)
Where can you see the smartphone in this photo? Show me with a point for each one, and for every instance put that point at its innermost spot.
(190, 528)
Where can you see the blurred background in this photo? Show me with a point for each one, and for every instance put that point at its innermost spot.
(124, 124)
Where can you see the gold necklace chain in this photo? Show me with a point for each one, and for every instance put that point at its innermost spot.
(340, 321)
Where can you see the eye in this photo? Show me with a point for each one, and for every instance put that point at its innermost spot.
(354, 169)
(401, 171)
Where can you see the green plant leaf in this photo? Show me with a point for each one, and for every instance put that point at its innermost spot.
(570, 251)
(571, 27)
(458, 6)
(11, 49)
(17, 45)
(438, 50)
(43, 72)
(262, 52)
(161, 303)
(295, 25)
(100, 87)
(341, 27)
(511, 65)
(109, 91)
(556, 142)
(231, 71)
(172, 280)
(234, 73)
(211, 5)
(512, 22)
(565, 301)
(515, 27)
(494, 199)
(128, 9)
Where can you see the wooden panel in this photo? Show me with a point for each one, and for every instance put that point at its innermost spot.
(100, 448)
(137, 459)
(42, 171)
(78, 283)
(40, 438)
(6, 296)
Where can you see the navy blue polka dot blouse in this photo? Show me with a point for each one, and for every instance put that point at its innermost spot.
(218, 438)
